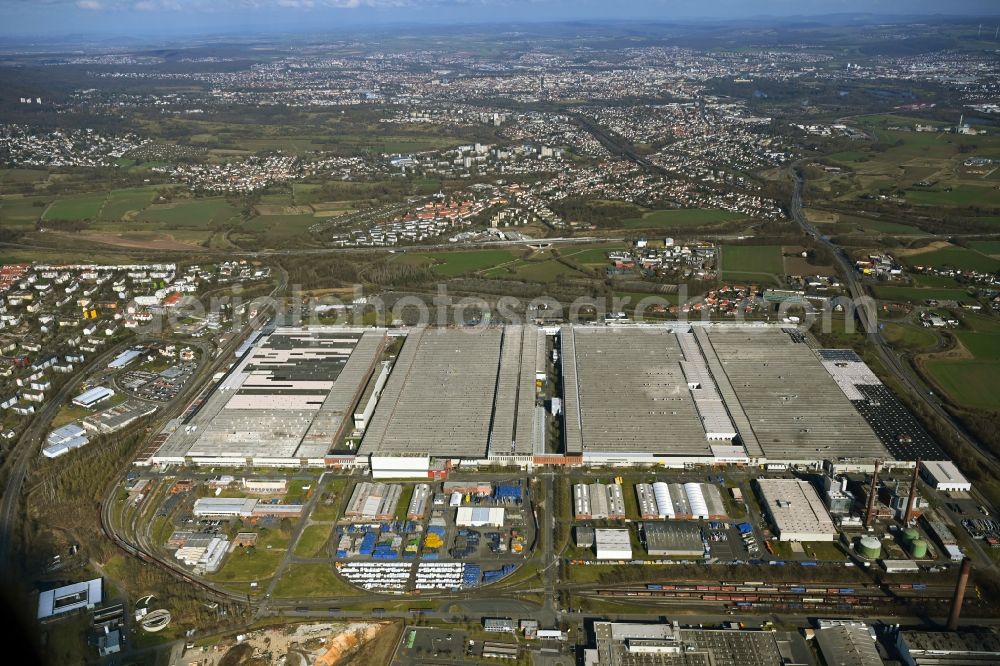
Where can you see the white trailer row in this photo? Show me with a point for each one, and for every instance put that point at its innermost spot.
(386, 576)
(439, 575)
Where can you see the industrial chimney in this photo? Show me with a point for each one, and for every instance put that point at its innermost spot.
(912, 499)
(956, 603)
(870, 514)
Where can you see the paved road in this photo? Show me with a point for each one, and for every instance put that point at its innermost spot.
(337, 250)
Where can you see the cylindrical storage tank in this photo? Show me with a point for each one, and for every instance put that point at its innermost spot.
(664, 505)
(699, 508)
(869, 547)
(918, 548)
(910, 534)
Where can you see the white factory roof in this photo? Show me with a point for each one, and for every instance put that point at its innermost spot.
(476, 515)
(70, 597)
(93, 395)
(945, 475)
(613, 544)
(238, 506)
(796, 510)
(124, 358)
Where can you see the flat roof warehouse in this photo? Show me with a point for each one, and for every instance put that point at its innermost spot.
(725, 392)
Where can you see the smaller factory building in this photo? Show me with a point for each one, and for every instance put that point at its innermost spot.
(613, 544)
(795, 510)
(674, 539)
(943, 475)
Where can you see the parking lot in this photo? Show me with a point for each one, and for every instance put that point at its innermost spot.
(424, 645)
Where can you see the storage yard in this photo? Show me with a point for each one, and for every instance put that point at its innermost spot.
(454, 535)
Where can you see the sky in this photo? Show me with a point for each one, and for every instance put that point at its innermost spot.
(144, 18)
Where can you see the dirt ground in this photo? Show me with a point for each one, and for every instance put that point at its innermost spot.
(306, 644)
(154, 241)
(930, 247)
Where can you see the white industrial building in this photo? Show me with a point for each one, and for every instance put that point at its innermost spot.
(612, 544)
(796, 510)
(86, 594)
(265, 486)
(93, 396)
(63, 440)
(224, 507)
(478, 516)
(943, 475)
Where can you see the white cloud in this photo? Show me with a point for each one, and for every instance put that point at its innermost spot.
(92, 5)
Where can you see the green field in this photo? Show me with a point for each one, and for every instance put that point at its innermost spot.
(893, 228)
(658, 219)
(20, 210)
(969, 383)
(991, 248)
(908, 337)
(596, 256)
(85, 207)
(249, 565)
(279, 227)
(937, 281)
(957, 257)
(451, 264)
(312, 540)
(848, 156)
(197, 213)
(756, 263)
(312, 580)
(984, 346)
(547, 270)
(120, 202)
(960, 195)
(919, 295)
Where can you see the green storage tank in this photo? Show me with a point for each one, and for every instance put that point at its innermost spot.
(918, 548)
(869, 548)
(910, 534)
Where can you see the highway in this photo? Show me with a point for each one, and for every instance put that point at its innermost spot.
(867, 314)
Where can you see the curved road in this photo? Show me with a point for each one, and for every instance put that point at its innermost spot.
(27, 445)
(867, 309)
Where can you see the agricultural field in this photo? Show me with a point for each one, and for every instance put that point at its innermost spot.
(935, 281)
(892, 228)
(752, 262)
(194, 213)
(960, 195)
(972, 382)
(955, 257)
(688, 217)
(991, 248)
(984, 346)
(277, 229)
(968, 383)
(122, 202)
(21, 210)
(85, 207)
(919, 294)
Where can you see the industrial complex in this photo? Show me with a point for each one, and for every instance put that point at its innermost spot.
(672, 395)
